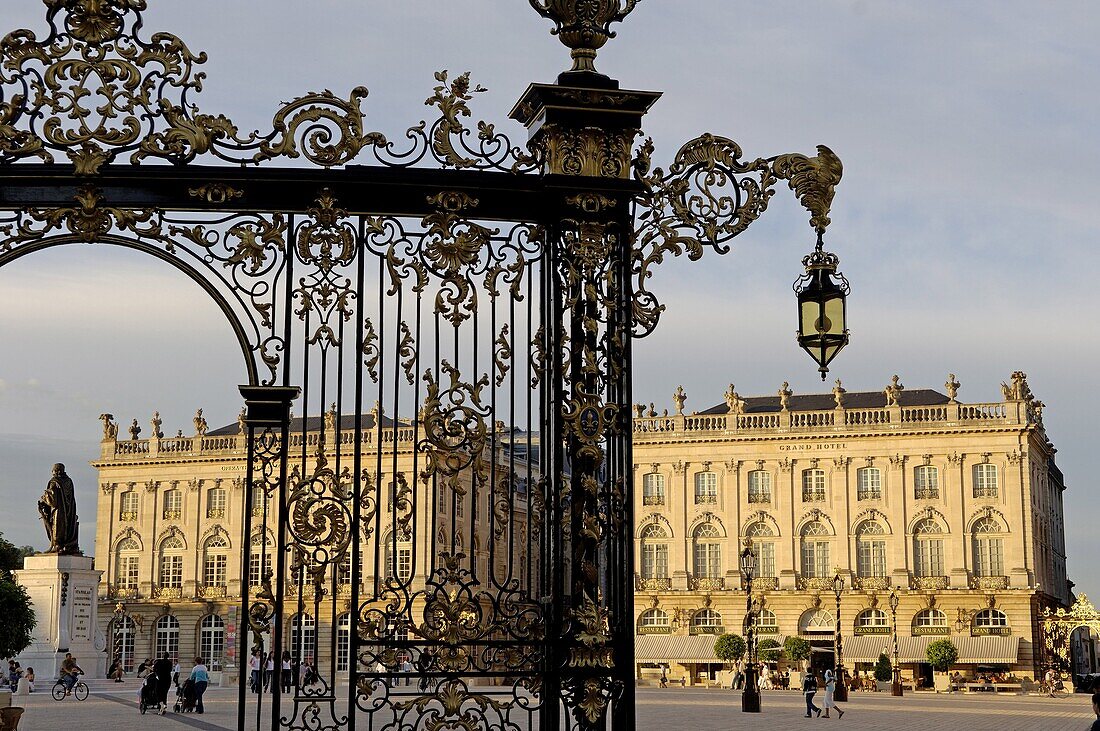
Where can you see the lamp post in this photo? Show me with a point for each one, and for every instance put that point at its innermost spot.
(840, 691)
(118, 623)
(895, 688)
(750, 699)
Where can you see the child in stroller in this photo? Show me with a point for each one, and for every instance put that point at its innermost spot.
(185, 697)
(147, 694)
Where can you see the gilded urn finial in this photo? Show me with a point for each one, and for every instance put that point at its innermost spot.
(584, 25)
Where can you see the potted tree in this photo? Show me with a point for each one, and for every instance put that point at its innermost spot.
(884, 673)
(729, 649)
(797, 651)
(942, 654)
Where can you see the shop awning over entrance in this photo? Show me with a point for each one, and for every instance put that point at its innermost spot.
(972, 650)
(678, 648)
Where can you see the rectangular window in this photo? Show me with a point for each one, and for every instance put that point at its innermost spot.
(985, 480)
(128, 506)
(815, 559)
(926, 482)
(988, 557)
(171, 571)
(706, 488)
(765, 559)
(760, 487)
(441, 504)
(653, 489)
(173, 504)
(708, 560)
(813, 486)
(213, 570)
(871, 561)
(212, 646)
(869, 484)
(128, 572)
(215, 503)
(928, 558)
(255, 574)
(654, 561)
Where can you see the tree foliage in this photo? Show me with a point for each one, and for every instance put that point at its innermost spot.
(16, 619)
(796, 649)
(942, 654)
(729, 648)
(11, 556)
(883, 670)
(768, 650)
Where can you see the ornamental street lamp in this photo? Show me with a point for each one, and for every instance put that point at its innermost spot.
(750, 699)
(822, 309)
(840, 692)
(118, 623)
(895, 688)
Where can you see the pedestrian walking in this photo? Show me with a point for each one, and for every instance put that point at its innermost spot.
(254, 668)
(200, 676)
(830, 688)
(176, 676)
(269, 669)
(286, 672)
(1096, 709)
(809, 689)
(162, 669)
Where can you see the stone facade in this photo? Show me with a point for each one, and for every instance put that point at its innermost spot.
(170, 531)
(956, 506)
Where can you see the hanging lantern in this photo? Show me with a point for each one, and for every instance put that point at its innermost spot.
(822, 307)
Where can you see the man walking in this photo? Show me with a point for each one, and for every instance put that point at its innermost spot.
(162, 669)
(809, 689)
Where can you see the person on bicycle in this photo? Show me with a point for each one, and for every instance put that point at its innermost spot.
(70, 671)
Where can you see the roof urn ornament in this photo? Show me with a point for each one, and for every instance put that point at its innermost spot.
(583, 26)
(679, 398)
(155, 423)
(785, 394)
(952, 386)
(893, 391)
(838, 394)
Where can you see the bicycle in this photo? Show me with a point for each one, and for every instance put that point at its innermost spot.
(79, 690)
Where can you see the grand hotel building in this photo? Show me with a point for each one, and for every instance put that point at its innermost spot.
(956, 506)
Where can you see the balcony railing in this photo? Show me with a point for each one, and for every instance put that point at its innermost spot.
(927, 493)
(167, 592)
(215, 591)
(215, 514)
(653, 500)
(704, 583)
(122, 592)
(128, 516)
(989, 582)
(171, 515)
(869, 494)
(930, 582)
(652, 584)
(760, 497)
(985, 491)
(871, 583)
(764, 583)
(706, 499)
(815, 582)
(813, 496)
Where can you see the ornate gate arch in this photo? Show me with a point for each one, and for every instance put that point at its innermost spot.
(1058, 628)
(471, 530)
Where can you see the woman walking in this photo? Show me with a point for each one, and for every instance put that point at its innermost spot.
(201, 678)
(830, 687)
(285, 672)
(809, 689)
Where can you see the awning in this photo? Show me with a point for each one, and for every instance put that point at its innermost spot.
(972, 650)
(681, 648)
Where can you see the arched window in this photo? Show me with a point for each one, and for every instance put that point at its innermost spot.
(126, 565)
(128, 506)
(653, 489)
(259, 559)
(760, 534)
(399, 556)
(928, 548)
(173, 504)
(167, 636)
(872, 622)
(215, 503)
(706, 488)
(990, 619)
(171, 563)
(760, 486)
(817, 622)
(123, 639)
(654, 552)
(303, 636)
(988, 548)
(930, 622)
(870, 550)
(343, 642)
(765, 622)
(813, 486)
(653, 621)
(706, 621)
(926, 482)
(868, 484)
(212, 641)
(815, 551)
(985, 480)
(215, 558)
(707, 551)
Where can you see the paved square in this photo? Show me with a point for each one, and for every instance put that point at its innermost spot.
(673, 709)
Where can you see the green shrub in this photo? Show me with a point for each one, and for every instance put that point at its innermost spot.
(942, 654)
(729, 648)
(883, 670)
(796, 649)
(18, 619)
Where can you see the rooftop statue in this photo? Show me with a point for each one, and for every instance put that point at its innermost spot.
(57, 506)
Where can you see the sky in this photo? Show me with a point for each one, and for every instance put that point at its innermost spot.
(967, 218)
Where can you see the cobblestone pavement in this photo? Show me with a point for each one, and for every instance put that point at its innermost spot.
(658, 710)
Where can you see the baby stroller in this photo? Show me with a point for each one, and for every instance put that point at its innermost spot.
(147, 696)
(185, 697)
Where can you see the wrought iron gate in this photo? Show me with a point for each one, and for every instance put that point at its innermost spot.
(437, 335)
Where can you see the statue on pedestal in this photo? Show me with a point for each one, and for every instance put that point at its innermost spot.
(57, 506)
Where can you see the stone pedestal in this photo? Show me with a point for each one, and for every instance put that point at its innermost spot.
(63, 590)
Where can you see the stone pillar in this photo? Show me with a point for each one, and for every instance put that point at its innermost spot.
(63, 590)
